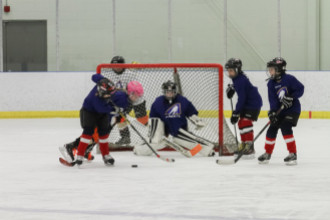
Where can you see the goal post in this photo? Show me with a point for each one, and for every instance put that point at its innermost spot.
(201, 83)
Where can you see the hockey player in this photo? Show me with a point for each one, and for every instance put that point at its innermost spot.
(248, 105)
(102, 100)
(122, 77)
(283, 90)
(133, 93)
(168, 116)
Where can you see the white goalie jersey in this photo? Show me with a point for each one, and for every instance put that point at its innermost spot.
(121, 80)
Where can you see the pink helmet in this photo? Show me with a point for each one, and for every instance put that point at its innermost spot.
(136, 88)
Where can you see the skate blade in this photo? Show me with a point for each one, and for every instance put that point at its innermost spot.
(264, 162)
(225, 161)
(291, 163)
(248, 157)
(65, 154)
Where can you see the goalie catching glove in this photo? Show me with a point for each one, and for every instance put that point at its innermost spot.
(197, 121)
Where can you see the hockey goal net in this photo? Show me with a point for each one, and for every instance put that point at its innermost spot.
(202, 84)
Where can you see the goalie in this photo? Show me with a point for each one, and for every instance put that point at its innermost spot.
(168, 116)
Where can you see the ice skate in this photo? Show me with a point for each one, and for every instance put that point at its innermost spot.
(291, 159)
(264, 158)
(67, 152)
(108, 160)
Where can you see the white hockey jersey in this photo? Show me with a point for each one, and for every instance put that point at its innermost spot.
(121, 80)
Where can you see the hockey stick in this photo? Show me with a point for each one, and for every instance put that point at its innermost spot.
(187, 153)
(202, 139)
(232, 111)
(228, 162)
(66, 163)
(145, 141)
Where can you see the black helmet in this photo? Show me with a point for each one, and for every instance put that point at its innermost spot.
(169, 86)
(118, 59)
(234, 63)
(115, 60)
(280, 67)
(105, 87)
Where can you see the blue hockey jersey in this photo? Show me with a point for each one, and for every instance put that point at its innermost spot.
(288, 86)
(173, 115)
(93, 103)
(248, 95)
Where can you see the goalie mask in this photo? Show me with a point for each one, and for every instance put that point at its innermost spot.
(233, 67)
(105, 88)
(276, 68)
(169, 90)
(118, 60)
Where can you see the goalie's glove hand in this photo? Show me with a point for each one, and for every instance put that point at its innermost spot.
(287, 101)
(274, 120)
(230, 91)
(234, 118)
(198, 122)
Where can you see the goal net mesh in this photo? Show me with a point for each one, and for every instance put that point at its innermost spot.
(202, 84)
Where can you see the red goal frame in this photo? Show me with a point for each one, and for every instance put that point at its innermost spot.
(181, 65)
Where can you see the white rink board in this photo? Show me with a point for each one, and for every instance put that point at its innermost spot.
(59, 91)
(35, 186)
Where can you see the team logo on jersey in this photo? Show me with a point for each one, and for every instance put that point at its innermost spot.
(119, 85)
(282, 92)
(174, 111)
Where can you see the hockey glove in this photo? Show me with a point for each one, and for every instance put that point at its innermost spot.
(230, 91)
(197, 121)
(118, 111)
(287, 101)
(234, 118)
(273, 118)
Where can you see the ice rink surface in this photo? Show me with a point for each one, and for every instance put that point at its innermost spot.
(33, 185)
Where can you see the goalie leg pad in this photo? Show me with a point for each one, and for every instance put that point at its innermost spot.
(156, 130)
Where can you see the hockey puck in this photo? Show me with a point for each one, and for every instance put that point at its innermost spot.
(134, 166)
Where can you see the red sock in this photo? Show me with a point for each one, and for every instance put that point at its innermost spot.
(269, 145)
(104, 145)
(290, 143)
(84, 141)
(246, 129)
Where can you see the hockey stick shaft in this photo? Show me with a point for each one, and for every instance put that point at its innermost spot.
(232, 111)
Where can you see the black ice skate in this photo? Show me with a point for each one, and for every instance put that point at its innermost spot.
(291, 159)
(108, 160)
(67, 152)
(264, 158)
(125, 138)
(123, 141)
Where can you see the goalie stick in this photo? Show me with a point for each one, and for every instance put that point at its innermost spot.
(240, 154)
(145, 141)
(187, 153)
